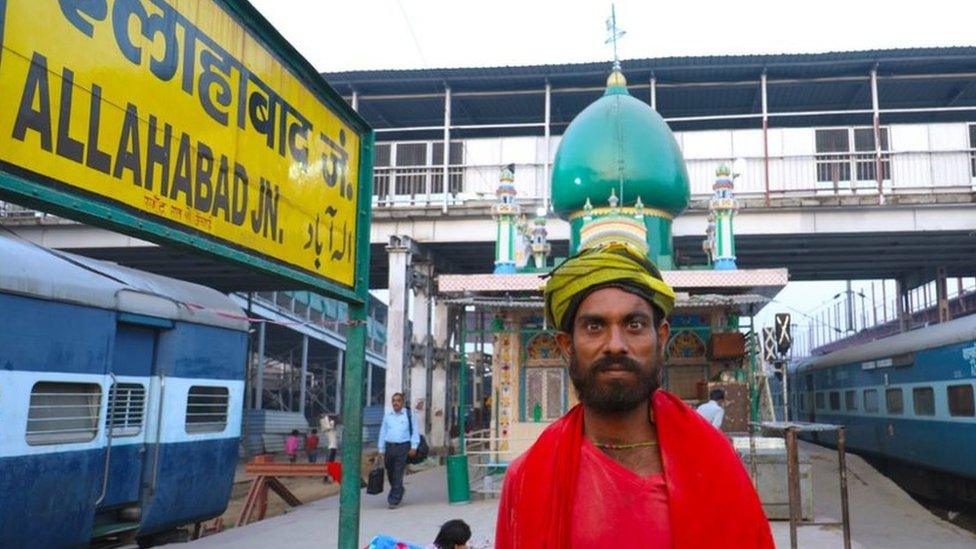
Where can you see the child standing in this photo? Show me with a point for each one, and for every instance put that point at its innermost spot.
(291, 446)
(312, 446)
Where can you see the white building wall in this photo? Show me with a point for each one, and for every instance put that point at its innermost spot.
(911, 165)
(948, 166)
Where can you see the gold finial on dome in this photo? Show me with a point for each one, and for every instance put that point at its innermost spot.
(616, 78)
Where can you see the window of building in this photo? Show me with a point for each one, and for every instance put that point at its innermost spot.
(126, 405)
(820, 401)
(923, 399)
(454, 171)
(871, 401)
(850, 400)
(894, 401)
(381, 172)
(834, 400)
(61, 413)
(206, 409)
(544, 393)
(961, 401)
(842, 152)
(416, 168)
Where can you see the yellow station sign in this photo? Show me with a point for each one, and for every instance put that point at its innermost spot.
(175, 111)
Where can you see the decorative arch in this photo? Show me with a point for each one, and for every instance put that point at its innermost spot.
(542, 350)
(686, 344)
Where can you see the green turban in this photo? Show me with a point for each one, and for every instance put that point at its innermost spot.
(611, 265)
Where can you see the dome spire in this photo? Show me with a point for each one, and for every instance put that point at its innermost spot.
(616, 81)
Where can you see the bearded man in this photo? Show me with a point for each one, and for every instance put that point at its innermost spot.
(631, 465)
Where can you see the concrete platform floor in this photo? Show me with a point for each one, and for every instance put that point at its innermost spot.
(882, 515)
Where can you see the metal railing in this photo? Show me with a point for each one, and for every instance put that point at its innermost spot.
(871, 312)
(486, 469)
(822, 174)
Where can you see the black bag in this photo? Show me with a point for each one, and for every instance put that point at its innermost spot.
(375, 484)
(422, 449)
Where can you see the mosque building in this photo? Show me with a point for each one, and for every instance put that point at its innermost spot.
(618, 176)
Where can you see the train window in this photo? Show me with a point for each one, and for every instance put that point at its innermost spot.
(961, 400)
(871, 400)
(206, 409)
(924, 401)
(819, 397)
(834, 400)
(126, 403)
(61, 413)
(850, 400)
(894, 402)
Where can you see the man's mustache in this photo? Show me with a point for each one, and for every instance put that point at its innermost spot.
(615, 362)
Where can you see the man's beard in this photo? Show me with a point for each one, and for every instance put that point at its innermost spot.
(615, 396)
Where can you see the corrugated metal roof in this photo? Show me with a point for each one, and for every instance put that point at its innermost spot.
(29, 269)
(796, 83)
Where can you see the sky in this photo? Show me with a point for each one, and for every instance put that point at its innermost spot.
(401, 34)
(409, 34)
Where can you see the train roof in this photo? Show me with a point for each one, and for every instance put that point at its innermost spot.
(959, 330)
(32, 270)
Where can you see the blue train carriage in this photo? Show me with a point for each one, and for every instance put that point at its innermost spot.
(908, 398)
(120, 399)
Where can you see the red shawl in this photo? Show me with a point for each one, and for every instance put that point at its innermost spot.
(711, 499)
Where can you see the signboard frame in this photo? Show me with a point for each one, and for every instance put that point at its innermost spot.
(43, 193)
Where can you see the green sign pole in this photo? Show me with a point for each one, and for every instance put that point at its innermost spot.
(355, 362)
(352, 431)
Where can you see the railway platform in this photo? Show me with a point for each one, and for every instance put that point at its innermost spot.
(882, 515)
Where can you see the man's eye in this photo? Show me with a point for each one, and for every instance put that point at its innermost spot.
(637, 325)
(593, 326)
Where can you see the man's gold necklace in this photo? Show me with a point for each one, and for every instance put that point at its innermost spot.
(625, 446)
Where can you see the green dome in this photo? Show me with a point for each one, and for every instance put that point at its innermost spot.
(619, 138)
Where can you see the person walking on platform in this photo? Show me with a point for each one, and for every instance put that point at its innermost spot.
(291, 446)
(328, 425)
(396, 442)
(312, 446)
(712, 410)
(631, 465)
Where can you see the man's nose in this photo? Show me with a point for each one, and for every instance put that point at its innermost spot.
(616, 344)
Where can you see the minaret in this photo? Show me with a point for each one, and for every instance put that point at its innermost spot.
(723, 206)
(506, 212)
(540, 242)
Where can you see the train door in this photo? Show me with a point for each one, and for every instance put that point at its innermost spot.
(811, 405)
(127, 428)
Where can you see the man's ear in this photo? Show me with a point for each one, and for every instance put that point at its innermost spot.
(663, 333)
(565, 342)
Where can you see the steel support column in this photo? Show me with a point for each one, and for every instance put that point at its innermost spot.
(653, 91)
(901, 294)
(876, 124)
(304, 376)
(447, 147)
(546, 132)
(942, 295)
(765, 128)
(259, 378)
